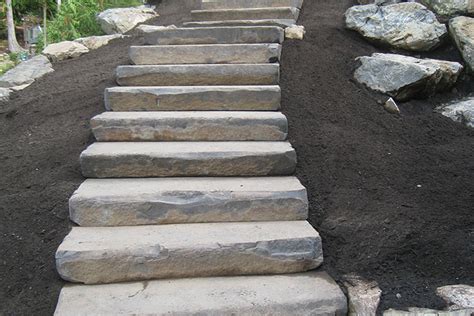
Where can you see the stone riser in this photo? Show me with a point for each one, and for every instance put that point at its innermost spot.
(284, 23)
(130, 202)
(289, 13)
(198, 75)
(94, 255)
(181, 159)
(205, 54)
(198, 98)
(238, 4)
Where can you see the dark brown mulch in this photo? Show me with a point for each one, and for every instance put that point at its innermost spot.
(361, 165)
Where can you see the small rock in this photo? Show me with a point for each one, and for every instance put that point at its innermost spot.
(26, 73)
(460, 111)
(462, 32)
(364, 296)
(4, 94)
(94, 42)
(295, 32)
(450, 8)
(64, 50)
(122, 20)
(457, 296)
(391, 107)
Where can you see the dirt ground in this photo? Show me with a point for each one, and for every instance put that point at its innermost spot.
(392, 196)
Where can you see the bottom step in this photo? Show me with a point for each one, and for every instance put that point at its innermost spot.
(313, 293)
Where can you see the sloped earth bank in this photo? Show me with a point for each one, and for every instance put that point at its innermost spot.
(361, 166)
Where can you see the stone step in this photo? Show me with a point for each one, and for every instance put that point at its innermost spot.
(189, 126)
(156, 201)
(284, 23)
(289, 13)
(236, 4)
(94, 255)
(193, 98)
(310, 293)
(187, 159)
(198, 75)
(205, 54)
(157, 35)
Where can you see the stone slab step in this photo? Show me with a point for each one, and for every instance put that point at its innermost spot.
(193, 98)
(189, 126)
(283, 23)
(156, 35)
(155, 201)
(187, 159)
(198, 75)
(310, 293)
(94, 255)
(236, 4)
(289, 13)
(205, 54)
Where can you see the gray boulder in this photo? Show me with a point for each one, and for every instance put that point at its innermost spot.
(461, 112)
(122, 20)
(462, 32)
(64, 50)
(4, 94)
(409, 26)
(26, 73)
(404, 77)
(381, 2)
(450, 8)
(94, 42)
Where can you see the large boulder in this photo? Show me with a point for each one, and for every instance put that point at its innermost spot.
(122, 20)
(94, 42)
(461, 112)
(409, 25)
(64, 50)
(450, 8)
(462, 32)
(459, 296)
(404, 77)
(26, 73)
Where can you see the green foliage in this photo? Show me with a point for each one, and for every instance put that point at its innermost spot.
(7, 62)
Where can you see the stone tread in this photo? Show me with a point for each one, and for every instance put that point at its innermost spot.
(189, 126)
(157, 35)
(183, 159)
(96, 255)
(128, 202)
(193, 98)
(205, 54)
(284, 23)
(303, 294)
(290, 13)
(236, 4)
(198, 75)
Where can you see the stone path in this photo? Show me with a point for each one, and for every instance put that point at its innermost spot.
(190, 201)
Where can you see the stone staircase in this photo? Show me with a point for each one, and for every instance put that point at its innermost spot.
(190, 206)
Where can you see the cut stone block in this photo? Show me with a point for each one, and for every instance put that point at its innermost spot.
(205, 54)
(198, 75)
(182, 159)
(93, 255)
(236, 4)
(194, 98)
(289, 13)
(156, 35)
(189, 126)
(130, 202)
(266, 22)
(311, 293)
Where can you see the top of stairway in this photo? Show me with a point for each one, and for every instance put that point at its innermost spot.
(237, 4)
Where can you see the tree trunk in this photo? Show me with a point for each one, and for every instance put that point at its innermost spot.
(13, 45)
(45, 24)
(59, 4)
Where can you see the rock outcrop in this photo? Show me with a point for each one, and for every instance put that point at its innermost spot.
(462, 32)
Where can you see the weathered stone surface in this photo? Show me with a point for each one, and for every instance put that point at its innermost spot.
(194, 98)
(404, 77)
(198, 75)
(94, 42)
(450, 7)
(213, 35)
(462, 32)
(415, 311)
(26, 73)
(460, 111)
(295, 32)
(189, 126)
(303, 294)
(289, 13)
(4, 94)
(94, 255)
(64, 50)
(364, 296)
(130, 202)
(237, 4)
(183, 159)
(458, 296)
(122, 20)
(265, 22)
(407, 25)
(205, 54)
